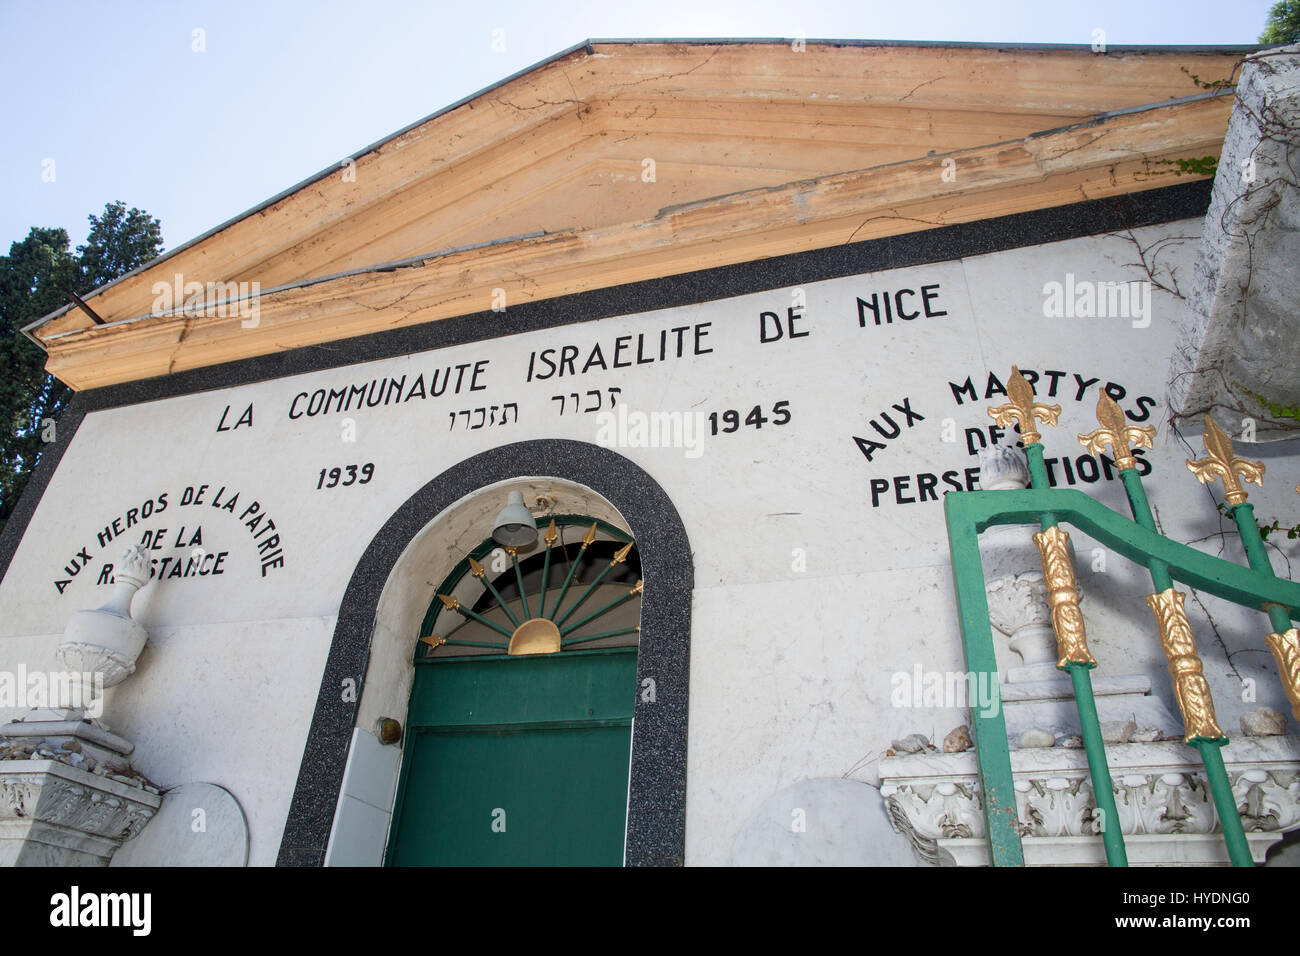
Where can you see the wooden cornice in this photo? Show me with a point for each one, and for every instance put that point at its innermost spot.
(1110, 156)
(757, 150)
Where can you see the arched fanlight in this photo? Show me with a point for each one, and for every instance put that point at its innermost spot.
(544, 626)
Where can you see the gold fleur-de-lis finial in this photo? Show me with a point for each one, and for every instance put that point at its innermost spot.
(1023, 409)
(1222, 465)
(551, 534)
(476, 569)
(1117, 433)
(433, 640)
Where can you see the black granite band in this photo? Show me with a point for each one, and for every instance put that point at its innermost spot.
(656, 822)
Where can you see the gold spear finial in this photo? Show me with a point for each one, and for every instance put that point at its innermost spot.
(589, 537)
(1117, 433)
(1023, 409)
(475, 568)
(621, 555)
(433, 640)
(450, 603)
(1222, 465)
(551, 534)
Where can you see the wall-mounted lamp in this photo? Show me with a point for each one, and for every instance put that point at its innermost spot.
(515, 526)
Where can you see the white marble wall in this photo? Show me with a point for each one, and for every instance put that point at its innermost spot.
(808, 599)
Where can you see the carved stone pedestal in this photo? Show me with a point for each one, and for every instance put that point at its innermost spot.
(68, 795)
(1165, 809)
(53, 814)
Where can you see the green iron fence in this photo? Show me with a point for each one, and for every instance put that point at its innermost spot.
(968, 514)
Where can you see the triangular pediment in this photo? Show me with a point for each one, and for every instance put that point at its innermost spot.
(636, 156)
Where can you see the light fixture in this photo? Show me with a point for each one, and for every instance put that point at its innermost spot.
(515, 526)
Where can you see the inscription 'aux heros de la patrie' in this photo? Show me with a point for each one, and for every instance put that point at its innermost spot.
(181, 547)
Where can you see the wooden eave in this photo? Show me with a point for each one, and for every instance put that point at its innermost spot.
(758, 151)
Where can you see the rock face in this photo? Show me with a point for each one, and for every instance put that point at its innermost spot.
(911, 744)
(1118, 731)
(1263, 722)
(1036, 738)
(958, 740)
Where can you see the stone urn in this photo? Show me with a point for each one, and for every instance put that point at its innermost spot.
(1003, 467)
(100, 646)
(1018, 608)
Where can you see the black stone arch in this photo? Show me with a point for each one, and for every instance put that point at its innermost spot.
(656, 816)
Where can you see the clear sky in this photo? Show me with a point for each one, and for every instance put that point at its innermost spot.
(125, 100)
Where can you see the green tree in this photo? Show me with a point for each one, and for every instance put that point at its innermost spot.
(119, 241)
(35, 279)
(1283, 23)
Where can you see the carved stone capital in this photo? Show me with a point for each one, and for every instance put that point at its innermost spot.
(1162, 799)
(52, 814)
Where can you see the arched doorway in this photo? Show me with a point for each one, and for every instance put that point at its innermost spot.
(372, 650)
(518, 735)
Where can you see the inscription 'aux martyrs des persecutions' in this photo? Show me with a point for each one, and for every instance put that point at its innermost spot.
(890, 424)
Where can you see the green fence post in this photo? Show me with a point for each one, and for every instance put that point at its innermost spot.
(1190, 687)
(1067, 621)
(1000, 817)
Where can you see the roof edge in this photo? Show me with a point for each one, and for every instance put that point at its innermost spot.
(588, 46)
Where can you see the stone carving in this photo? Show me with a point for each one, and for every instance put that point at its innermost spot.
(1018, 602)
(1267, 799)
(927, 848)
(1164, 803)
(1003, 467)
(53, 814)
(930, 800)
(938, 810)
(100, 646)
(1018, 607)
(1055, 806)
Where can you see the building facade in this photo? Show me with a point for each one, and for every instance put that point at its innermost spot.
(730, 318)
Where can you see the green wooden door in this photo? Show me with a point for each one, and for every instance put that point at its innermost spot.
(517, 761)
